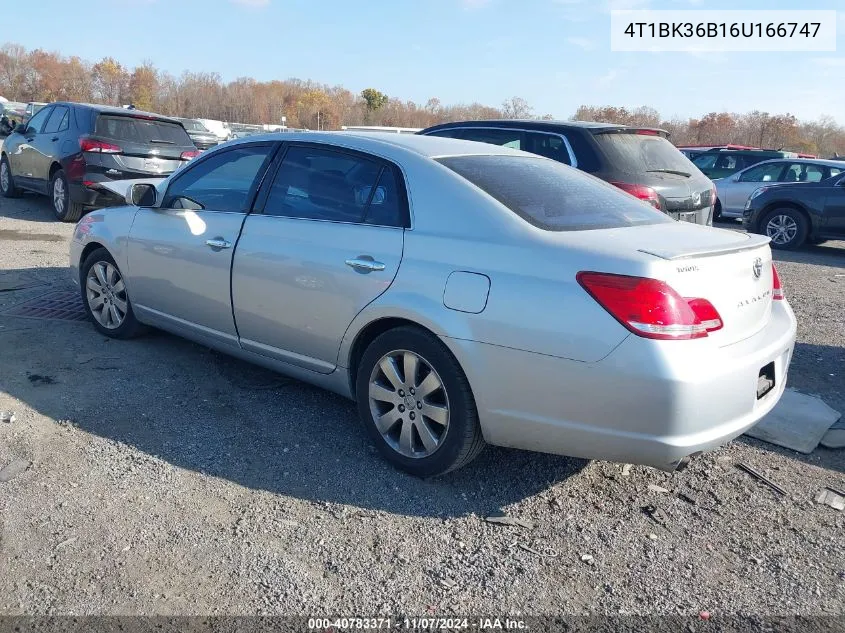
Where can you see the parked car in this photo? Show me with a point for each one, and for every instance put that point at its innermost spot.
(202, 137)
(792, 215)
(220, 129)
(639, 161)
(693, 151)
(502, 305)
(12, 114)
(719, 163)
(67, 150)
(732, 192)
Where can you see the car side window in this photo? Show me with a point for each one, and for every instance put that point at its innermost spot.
(448, 133)
(835, 171)
(792, 173)
(763, 173)
(323, 184)
(727, 161)
(56, 120)
(506, 138)
(705, 161)
(548, 145)
(222, 182)
(37, 122)
(812, 173)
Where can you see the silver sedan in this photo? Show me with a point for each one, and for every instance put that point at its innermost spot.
(461, 293)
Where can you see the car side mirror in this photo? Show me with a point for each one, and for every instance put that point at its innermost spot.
(141, 195)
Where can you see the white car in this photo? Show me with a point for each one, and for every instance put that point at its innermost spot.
(218, 128)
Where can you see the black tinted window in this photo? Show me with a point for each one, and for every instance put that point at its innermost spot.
(57, 121)
(139, 130)
(387, 204)
(222, 182)
(548, 145)
(321, 184)
(636, 153)
(506, 138)
(551, 196)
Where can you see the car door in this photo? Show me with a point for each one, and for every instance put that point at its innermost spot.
(45, 145)
(833, 222)
(325, 240)
(21, 156)
(736, 189)
(180, 253)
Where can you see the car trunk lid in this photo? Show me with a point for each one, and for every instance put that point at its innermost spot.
(731, 270)
(148, 144)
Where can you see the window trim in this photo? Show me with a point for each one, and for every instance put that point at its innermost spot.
(270, 177)
(49, 118)
(49, 110)
(573, 159)
(254, 188)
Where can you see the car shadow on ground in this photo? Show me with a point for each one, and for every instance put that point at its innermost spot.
(30, 206)
(210, 413)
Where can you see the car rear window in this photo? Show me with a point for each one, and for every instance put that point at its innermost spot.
(632, 152)
(138, 130)
(552, 196)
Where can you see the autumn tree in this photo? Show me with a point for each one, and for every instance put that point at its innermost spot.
(143, 86)
(110, 81)
(516, 108)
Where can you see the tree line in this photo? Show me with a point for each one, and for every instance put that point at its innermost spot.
(40, 75)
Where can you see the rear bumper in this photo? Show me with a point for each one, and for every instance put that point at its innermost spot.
(648, 402)
(93, 198)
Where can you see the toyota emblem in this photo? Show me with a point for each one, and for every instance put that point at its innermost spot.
(757, 268)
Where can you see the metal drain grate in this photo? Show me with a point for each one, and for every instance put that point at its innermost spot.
(62, 305)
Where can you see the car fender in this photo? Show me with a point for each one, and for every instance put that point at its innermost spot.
(108, 228)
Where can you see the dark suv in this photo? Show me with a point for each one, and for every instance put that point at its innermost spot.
(640, 161)
(67, 149)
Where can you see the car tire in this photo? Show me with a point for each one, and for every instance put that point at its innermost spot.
(63, 207)
(7, 182)
(424, 434)
(787, 228)
(102, 284)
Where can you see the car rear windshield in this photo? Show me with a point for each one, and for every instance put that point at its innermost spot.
(553, 196)
(632, 152)
(137, 130)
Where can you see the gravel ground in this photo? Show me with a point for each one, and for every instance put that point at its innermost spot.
(167, 479)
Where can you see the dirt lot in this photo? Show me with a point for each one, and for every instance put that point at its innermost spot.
(166, 479)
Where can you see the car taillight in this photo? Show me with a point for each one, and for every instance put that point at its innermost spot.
(190, 154)
(777, 289)
(646, 194)
(649, 307)
(88, 145)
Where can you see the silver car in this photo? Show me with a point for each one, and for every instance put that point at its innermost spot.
(733, 191)
(462, 293)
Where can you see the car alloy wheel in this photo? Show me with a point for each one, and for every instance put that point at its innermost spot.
(409, 404)
(106, 295)
(59, 196)
(4, 176)
(782, 229)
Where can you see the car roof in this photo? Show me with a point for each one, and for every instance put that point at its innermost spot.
(809, 161)
(428, 146)
(541, 124)
(107, 109)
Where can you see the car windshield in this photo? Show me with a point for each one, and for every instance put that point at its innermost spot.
(552, 196)
(705, 161)
(141, 130)
(643, 152)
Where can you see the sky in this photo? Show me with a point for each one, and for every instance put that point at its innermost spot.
(553, 53)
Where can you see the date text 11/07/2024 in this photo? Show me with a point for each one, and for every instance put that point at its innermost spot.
(420, 624)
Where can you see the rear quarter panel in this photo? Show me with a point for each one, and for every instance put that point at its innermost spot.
(108, 228)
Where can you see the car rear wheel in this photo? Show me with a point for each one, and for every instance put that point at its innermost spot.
(65, 210)
(416, 403)
(7, 183)
(105, 297)
(786, 227)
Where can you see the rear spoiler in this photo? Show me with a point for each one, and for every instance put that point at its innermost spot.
(679, 252)
(644, 131)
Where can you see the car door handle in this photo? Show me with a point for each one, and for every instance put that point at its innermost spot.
(54, 139)
(364, 264)
(218, 242)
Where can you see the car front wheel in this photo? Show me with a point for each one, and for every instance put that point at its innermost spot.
(416, 403)
(786, 227)
(7, 183)
(105, 297)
